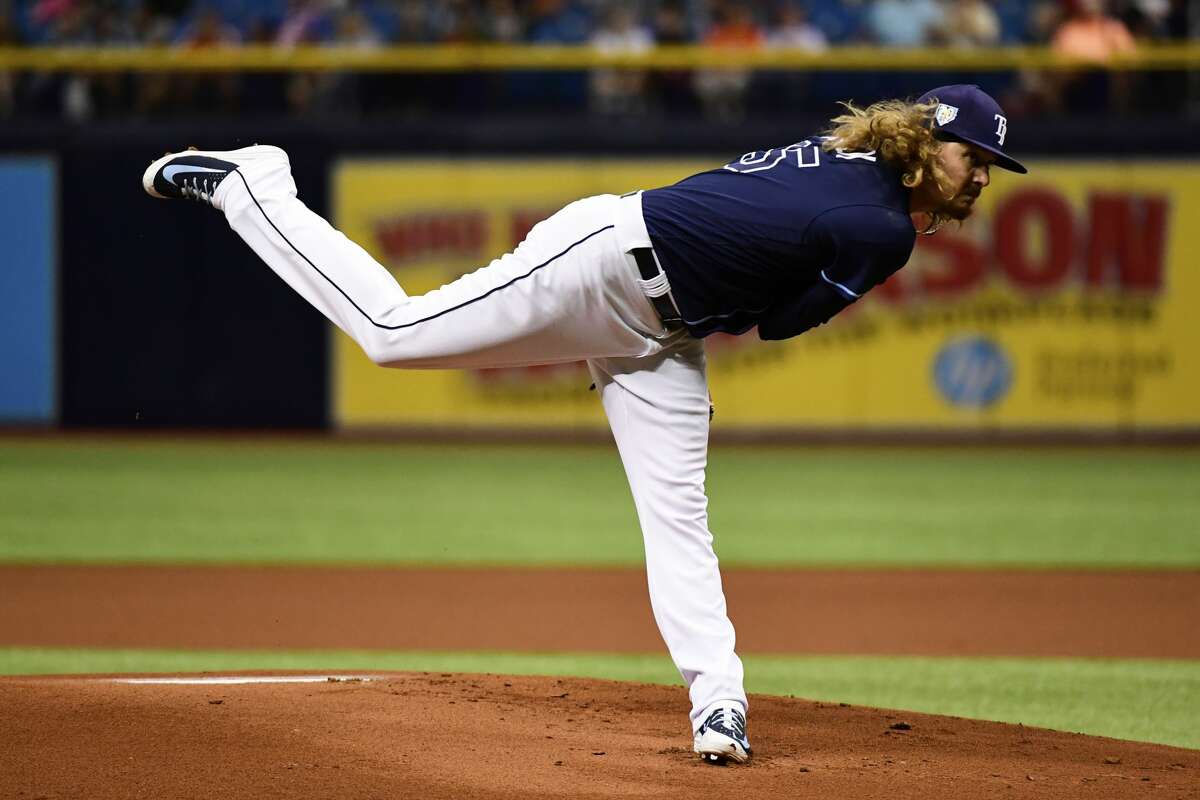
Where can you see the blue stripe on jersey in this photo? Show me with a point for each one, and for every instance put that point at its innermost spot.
(844, 290)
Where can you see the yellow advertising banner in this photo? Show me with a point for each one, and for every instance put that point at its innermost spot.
(1065, 302)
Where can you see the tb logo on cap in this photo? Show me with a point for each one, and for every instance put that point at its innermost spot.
(1001, 128)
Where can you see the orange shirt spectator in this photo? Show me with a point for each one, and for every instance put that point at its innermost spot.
(735, 28)
(722, 92)
(1092, 35)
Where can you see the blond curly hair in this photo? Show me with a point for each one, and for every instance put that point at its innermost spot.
(901, 133)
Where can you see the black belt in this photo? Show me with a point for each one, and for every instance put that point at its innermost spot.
(663, 304)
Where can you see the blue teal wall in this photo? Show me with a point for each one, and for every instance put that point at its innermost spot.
(28, 255)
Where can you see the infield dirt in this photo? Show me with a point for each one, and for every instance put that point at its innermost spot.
(1108, 614)
(463, 736)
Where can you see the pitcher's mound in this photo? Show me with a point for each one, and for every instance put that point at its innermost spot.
(432, 735)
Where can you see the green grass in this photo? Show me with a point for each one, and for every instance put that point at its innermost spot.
(244, 500)
(1153, 701)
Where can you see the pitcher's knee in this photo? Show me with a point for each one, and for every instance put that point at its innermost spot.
(389, 348)
(378, 351)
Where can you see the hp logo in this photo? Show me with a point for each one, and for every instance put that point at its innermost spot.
(972, 372)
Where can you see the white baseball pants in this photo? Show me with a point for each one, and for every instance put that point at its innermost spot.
(569, 292)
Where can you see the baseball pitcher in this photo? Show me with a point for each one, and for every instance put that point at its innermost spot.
(780, 240)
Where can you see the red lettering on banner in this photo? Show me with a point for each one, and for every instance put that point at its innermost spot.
(891, 290)
(960, 262)
(460, 234)
(1013, 229)
(534, 373)
(522, 221)
(1128, 232)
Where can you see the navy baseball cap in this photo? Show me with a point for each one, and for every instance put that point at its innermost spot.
(966, 113)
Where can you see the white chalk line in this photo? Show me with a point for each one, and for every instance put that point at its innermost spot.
(229, 680)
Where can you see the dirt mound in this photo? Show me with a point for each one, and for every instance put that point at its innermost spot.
(455, 736)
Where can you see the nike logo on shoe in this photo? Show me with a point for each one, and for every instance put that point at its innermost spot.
(170, 172)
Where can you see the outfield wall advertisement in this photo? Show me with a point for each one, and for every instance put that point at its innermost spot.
(1068, 301)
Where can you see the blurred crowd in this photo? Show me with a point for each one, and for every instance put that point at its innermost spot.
(1095, 30)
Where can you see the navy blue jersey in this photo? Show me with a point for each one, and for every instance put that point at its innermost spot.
(782, 239)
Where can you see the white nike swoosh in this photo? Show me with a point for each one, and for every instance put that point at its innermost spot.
(170, 172)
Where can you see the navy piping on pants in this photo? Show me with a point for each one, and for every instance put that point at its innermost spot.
(426, 319)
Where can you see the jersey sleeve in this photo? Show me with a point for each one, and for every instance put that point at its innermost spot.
(865, 245)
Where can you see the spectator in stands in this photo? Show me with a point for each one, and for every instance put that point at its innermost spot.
(97, 23)
(557, 22)
(671, 89)
(458, 22)
(154, 24)
(74, 23)
(502, 22)
(902, 23)
(1034, 90)
(412, 24)
(722, 92)
(1145, 19)
(969, 23)
(217, 91)
(1091, 35)
(305, 22)
(554, 22)
(671, 24)
(1041, 21)
(734, 26)
(1161, 92)
(792, 30)
(1092, 30)
(353, 29)
(208, 29)
(262, 93)
(338, 92)
(621, 32)
(620, 91)
(1175, 90)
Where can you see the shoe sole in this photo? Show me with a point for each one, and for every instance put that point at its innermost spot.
(254, 151)
(721, 759)
(722, 755)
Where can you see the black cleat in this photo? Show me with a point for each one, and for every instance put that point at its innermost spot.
(722, 737)
(191, 175)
